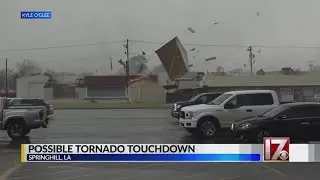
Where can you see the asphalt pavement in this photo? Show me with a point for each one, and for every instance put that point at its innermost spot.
(131, 126)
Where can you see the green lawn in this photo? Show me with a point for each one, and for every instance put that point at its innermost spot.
(76, 105)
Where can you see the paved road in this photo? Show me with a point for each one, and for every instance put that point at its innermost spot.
(133, 126)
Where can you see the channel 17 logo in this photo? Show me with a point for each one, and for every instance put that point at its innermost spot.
(276, 149)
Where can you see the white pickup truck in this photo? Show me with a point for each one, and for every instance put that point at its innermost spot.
(207, 119)
(19, 121)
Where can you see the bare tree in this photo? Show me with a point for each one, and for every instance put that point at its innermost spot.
(220, 69)
(28, 67)
(12, 78)
(137, 64)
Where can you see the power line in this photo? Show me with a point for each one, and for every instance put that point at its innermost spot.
(59, 47)
(100, 58)
(162, 43)
(234, 45)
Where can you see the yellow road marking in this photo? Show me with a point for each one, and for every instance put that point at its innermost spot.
(22, 153)
(16, 166)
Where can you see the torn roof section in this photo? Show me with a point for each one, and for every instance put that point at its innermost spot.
(174, 58)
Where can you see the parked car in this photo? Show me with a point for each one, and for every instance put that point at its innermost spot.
(202, 98)
(27, 103)
(208, 119)
(299, 121)
(19, 121)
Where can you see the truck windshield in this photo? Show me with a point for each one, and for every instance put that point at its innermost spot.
(195, 98)
(219, 100)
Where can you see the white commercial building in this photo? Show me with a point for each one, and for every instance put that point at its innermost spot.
(31, 86)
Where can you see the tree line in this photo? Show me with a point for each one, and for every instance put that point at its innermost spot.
(25, 68)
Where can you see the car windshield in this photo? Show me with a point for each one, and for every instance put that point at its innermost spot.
(275, 111)
(219, 100)
(193, 99)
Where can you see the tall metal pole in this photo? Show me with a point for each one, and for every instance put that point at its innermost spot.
(7, 77)
(127, 66)
(250, 59)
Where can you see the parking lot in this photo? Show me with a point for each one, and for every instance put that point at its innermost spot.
(131, 126)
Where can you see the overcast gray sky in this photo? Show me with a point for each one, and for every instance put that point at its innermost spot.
(280, 23)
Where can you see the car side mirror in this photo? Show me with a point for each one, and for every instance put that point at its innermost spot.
(229, 106)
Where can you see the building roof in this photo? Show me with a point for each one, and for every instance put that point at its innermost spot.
(173, 57)
(61, 80)
(188, 84)
(190, 75)
(37, 76)
(256, 81)
(65, 79)
(111, 80)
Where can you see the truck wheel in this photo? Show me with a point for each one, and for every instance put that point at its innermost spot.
(16, 130)
(208, 127)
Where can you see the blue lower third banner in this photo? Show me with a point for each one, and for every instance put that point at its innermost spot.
(143, 157)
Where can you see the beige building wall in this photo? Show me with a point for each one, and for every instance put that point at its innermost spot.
(147, 92)
(31, 86)
(80, 93)
(48, 93)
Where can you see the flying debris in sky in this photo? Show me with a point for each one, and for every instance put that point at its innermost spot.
(215, 23)
(121, 62)
(192, 49)
(258, 14)
(143, 53)
(111, 64)
(191, 30)
(212, 58)
(175, 62)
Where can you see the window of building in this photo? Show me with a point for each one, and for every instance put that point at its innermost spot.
(109, 92)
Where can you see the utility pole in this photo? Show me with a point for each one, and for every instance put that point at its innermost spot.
(127, 66)
(250, 58)
(311, 65)
(6, 77)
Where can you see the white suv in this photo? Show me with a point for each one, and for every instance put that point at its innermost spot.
(207, 119)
